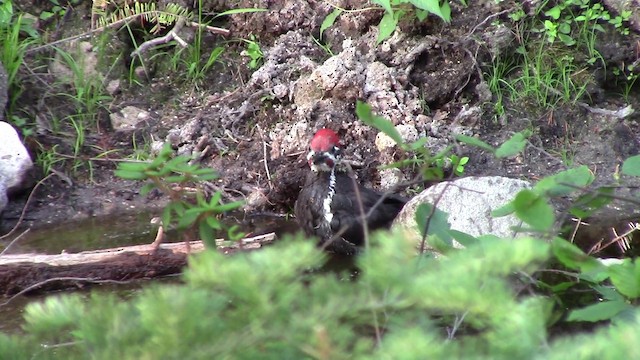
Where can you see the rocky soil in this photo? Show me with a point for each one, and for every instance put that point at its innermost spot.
(253, 126)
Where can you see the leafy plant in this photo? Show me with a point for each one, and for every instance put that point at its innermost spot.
(255, 305)
(146, 11)
(545, 69)
(583, 15)
(431, 166)
(18, 33)
(253, 51)
(57, 9)
(394, 10)
(187, 210)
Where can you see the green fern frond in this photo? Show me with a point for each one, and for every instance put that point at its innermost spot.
(148, 13)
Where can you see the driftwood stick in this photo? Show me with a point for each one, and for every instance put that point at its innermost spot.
(86, 257)
(22, 271)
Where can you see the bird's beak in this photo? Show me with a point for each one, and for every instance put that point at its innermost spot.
(321, 161)
(318, 158)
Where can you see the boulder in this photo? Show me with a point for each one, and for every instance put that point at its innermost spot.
(469, 202)
(15, 161)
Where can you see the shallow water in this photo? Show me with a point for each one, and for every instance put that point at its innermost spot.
(122, 230)
(103, 233)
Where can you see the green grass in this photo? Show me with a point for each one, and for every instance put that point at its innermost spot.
(17, 34)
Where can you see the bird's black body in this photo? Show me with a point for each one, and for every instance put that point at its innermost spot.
(343, 233)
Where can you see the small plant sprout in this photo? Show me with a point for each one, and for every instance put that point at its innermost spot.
(189, 210)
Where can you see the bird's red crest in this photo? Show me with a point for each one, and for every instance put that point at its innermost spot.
(324, 140)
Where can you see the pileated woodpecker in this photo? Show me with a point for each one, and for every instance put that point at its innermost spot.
(328, 206)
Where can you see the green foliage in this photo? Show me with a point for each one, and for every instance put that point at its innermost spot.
(57, 9)
(147, 11)
(254, 52)
(394, 10)
(513, 146)
(631, 166)
(330, 20)
(544, 68)
(256, 305)
(431, 166)
(274, 303)
(434, 227)
(196, 68)
(617, 285)
(171, 175)
(17, 34)
(582, 15)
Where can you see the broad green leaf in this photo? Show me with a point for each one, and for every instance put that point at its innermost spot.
(438, 225)
(445, 10)
(608, 292)
(433, 6)
(386, 5)
(590, 202)
(504, 210)
(46, 15)
(514, 145)
(631, 166)
(565, 182)
(6, 13)
(329, 20)
(597, 312)
(470, 140)
(626, 278)
(387, 26)
(567, 40)
(463, 238)
(534, 210)
(421, 14)
(364, 113)
(554, 12)
(564, 28)
(572, 257)
(562, 286)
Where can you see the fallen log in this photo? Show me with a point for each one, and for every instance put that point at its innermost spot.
(30, 272)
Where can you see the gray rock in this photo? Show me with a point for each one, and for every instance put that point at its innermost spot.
(85, 59)
(15, 163)
(469, 202)
(128, 118)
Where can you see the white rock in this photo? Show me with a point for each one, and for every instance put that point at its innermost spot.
(469, 202)
(384, 142)
(15, 162)
(128, 118)
(378, 78)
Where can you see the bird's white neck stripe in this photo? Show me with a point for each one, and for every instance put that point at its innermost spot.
(328, 215)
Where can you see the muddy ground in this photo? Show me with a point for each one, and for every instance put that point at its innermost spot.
(252, 125)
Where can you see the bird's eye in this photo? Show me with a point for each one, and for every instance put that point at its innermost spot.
(336, 151)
